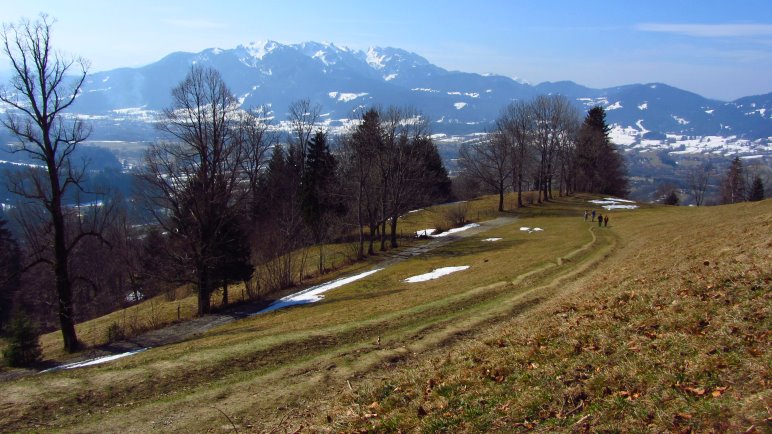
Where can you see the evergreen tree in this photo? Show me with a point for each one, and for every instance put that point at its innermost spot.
(671, 198)
(733, 185)
(10, 268)
(233, 261)
(320, 200)
(23, 346)
(757, 190)
(600, 168)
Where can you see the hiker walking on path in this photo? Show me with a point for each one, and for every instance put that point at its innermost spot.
(593, 215)
(586, 213)
(600, 220)
(605, 220)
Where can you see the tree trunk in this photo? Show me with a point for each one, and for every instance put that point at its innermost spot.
(204, 306)
(224, 292)
(321, 258)
(383, 235)
(373, 230)
(394, 232)
(61, 269)
(501, 196)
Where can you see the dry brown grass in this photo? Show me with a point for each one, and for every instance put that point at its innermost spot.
(671, 333)
(623, 335)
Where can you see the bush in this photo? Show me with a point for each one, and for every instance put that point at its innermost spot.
(114, 333)
(23, 347)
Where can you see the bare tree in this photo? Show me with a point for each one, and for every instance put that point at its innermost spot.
(303, 117)
(194, 180)
(516, 122)
(44, 85)
(698, 178)
(489, 161)
(556, 122)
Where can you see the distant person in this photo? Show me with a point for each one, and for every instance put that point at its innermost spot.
(605, 220)
(593, 215)
(586, 213)
(600, 220)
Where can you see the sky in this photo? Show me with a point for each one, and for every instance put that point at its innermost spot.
(718, 49)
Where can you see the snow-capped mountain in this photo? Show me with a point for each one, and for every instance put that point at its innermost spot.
(343, 80)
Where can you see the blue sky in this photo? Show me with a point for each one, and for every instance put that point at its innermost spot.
(719, 49)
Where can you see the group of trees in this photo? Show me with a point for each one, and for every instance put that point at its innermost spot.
(541, 145)
(738, 185)
(225, 194)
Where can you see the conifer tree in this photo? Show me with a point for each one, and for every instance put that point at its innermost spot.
(599, 166)
(10, 267)
(757, 190)
(733, 185)
(318, 193)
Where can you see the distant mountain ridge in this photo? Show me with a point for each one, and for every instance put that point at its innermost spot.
(342, 80)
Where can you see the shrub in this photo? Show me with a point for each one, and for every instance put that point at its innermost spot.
(23, 347)
(115, 333)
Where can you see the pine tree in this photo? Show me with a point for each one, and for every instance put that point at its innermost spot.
(23, 346)
(600, 168)
(318, 193)
(757, 190)
(10, 267)
(733, 185)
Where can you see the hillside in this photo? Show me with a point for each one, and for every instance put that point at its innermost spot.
(658, 322)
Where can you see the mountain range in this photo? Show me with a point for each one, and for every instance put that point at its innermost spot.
(342, 80)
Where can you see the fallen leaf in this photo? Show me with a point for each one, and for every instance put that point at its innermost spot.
(718, 391)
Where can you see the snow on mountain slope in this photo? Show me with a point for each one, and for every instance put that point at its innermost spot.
(274, 74)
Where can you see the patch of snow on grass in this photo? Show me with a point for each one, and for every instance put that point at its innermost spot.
(435, 274)
(425, 232)
(531, 230)
(610, 203)
(314, 293)
(491, 240)
(454, 230)
(97, 361)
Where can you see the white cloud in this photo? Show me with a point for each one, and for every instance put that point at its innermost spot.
(709, 30)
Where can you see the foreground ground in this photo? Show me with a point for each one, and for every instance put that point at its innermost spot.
(659, 322)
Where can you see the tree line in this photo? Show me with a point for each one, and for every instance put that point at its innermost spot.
(226, 194)
(542, 146)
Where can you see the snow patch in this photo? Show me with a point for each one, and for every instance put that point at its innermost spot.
(314, 293)
(615, 106)
(491, 240)
(435, 274)
(610, 203)
(643, 106)
(346, 97)
(390, 77)
(96, 361)
(531, 230)
(680, 120)
(424, 89)
(459, 105)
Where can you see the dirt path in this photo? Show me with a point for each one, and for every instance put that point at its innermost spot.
(195, 327)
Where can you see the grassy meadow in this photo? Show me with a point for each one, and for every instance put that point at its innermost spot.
(659, 322)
